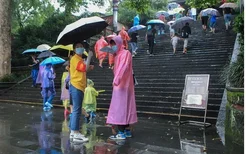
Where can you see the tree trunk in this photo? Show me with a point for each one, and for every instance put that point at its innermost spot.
(5, 37)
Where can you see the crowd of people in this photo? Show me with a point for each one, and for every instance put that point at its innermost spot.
(78, 92)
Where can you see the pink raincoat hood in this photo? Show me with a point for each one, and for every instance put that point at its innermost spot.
(119, 43)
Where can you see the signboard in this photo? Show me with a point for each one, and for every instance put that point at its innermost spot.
(195, 94)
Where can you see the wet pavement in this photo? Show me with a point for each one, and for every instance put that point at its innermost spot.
(26, 129)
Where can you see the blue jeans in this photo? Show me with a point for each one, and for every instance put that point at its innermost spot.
(133, 46)
(34, 76)
(45, 94)
(227, 18)
(77, 98)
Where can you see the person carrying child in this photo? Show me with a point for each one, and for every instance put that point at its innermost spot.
(48, 86)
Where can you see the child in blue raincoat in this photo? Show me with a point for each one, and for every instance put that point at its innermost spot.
(48, 87)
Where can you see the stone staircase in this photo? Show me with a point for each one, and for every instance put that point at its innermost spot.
(161, 78)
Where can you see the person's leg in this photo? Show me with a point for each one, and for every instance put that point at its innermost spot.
(134, 46)
(77, 97)
(71, 104)
(149, 42)
(45, 97)
(77, 105)
(152, 46)
(226, 21)
(52, 94)
(33, 78)
(131, 44)
(121, 128)
(101, 62)
(185, 45)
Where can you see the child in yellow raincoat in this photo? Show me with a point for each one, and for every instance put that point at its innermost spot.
(90, 102)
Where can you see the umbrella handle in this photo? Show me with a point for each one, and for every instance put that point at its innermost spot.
(68, 53)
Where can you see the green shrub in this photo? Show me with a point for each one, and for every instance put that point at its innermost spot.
(233, 73)
(13, 77)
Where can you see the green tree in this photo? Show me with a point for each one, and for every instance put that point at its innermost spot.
(33, 12)
(72, 6)
(206, 3)
(159, 5)
(140, 6)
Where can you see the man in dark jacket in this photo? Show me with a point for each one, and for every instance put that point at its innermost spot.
(185, 32)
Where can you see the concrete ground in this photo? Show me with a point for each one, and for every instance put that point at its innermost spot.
(26, 129)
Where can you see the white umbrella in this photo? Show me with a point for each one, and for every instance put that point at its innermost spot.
(229, 5)
(43, 47)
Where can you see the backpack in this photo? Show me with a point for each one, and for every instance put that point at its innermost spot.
(184, 33)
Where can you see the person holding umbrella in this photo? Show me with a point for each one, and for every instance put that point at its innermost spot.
(185, 32)
(150, 36)
(133, 43)
(78, 69)
(48, 86)
(204, 18)
(122, 111)
(35, 69)
(227, 16)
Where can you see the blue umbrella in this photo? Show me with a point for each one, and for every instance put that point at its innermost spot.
(155, 21)
(31, 51)
(211, 11)
(53, 61)
(136, 28)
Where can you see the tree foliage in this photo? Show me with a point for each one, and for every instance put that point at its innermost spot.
(127, 12)
(72, 6)
(202, 4)
(34, 12)
(140, 6)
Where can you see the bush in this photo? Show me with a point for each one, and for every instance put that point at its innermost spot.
(13, 77)
(234, 73)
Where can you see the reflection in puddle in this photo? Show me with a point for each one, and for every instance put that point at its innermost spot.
(192, 143)
(46, 137)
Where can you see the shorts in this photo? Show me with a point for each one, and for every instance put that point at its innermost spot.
(212, 24)
(205, 20)
(175, 44)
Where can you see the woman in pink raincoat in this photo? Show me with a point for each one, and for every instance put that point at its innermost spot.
(122, 111)
(99, 45)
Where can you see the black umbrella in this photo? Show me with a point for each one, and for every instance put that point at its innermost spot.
(81, 30)
(46, 54)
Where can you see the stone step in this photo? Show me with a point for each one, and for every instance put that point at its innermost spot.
(163, 107)
(109, 92)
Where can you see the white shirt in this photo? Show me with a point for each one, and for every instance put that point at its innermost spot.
(175, 40)
(193, 11)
